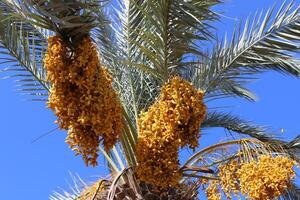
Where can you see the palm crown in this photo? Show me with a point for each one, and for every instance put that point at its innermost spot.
(153, 90)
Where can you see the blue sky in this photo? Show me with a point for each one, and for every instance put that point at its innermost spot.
(32, 171)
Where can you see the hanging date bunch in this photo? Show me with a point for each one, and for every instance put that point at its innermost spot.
(266, 177)
(82, 97)
(172, 122)
(81, 93)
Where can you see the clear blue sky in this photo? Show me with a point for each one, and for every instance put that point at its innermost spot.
(32, 171)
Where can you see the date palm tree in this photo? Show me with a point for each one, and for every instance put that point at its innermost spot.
(145, 44)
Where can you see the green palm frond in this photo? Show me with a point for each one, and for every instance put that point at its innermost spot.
(235, 124)
(170, 33)
(104, 37)
(22, 50)
(136, 89)
(265, 43)
(294, 148)
(69, 19)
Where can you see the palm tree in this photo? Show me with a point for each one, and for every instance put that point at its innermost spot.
(153, 51)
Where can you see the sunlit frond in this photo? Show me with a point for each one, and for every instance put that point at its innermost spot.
(264, 43)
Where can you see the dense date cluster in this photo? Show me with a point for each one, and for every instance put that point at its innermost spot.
(172, 122)
(82, 97)
(265, 178)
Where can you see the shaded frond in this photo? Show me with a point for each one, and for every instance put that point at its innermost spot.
(294, 148)
(292, 193)
(71, 20)
(22, 49)
(235, 124)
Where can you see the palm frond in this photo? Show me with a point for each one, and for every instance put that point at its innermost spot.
(22, 49)
(170, 33)
(265, 43)
(73, 192)
(71, 20)
(235, 124)
(293, 193)
(294, 148)
(136, 89)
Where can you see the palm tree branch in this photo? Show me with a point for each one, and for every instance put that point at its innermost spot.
(170, 32)
(24, 49)
(263, 45)
(235, 124)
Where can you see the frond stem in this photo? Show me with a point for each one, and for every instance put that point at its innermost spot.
(216, 146)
